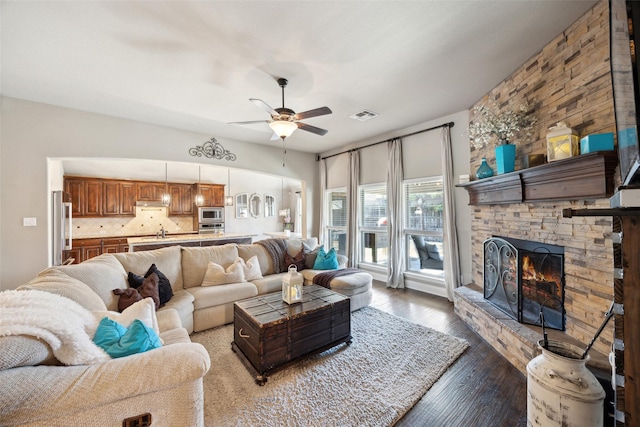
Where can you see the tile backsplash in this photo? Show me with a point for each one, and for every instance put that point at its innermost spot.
(147, 221)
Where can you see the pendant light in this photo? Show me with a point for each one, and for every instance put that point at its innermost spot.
(228, 200)
(199, 196)
(166, 197)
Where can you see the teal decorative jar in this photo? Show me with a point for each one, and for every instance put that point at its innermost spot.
(484, 171)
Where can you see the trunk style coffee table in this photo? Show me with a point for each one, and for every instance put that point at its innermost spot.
(268, 333)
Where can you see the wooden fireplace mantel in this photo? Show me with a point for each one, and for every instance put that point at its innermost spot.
(588, 176)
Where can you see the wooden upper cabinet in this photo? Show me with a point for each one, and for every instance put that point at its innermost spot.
(119, 198)
(75, 188)
(128, 194)
(86, 196)
(182, 199)
(95, 197)
(111, 192)
(212, 194)
(150, 191)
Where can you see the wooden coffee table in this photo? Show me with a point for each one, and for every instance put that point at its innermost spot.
(268, 333)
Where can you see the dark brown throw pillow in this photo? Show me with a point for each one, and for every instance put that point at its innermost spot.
(297, 260)
(150, 289)
(128, 297)
(164, 287)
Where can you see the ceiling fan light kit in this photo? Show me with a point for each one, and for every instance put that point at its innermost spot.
(285, 121)
(283, 128)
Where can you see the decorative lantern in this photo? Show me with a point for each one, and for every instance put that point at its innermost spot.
(292, 286)
(562, 142)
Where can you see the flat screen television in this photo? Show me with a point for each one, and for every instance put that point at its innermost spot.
(625, 41)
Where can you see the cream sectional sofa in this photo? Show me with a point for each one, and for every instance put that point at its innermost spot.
(106, 393)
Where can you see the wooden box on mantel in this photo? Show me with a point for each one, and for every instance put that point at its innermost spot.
(589, 176)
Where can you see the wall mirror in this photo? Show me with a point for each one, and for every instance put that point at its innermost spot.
(242, 205)
(255, 205)
(269, 206)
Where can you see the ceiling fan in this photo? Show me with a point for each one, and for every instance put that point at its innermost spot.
(285, 121)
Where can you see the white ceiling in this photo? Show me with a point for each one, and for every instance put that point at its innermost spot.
(194, 64)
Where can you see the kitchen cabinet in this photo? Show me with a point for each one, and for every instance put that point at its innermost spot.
(128, 194)
(84, 249)
(182, 199)
(119, 198)
(212, 194)
(86, 196)
(149, 191)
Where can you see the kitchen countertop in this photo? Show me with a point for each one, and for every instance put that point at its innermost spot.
(175, 238)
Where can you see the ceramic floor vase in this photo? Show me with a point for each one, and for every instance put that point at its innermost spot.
(561, 391)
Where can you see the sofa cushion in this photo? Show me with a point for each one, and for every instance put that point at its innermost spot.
(57, 282)
(164, 284)
(182, 303)
(266, 263)
(102, 274)
(250, 268)
(175, 336)
(217, 275)
(167, 261)
(196, 260)
(296, 245)
(24, 350)
(270, 283)
(209, 296)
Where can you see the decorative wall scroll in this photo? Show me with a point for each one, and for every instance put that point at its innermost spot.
(213, 150)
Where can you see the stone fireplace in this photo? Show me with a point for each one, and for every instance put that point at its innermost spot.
(572, 258)
(525, 279)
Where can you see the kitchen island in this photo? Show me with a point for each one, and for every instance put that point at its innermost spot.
(204, 239)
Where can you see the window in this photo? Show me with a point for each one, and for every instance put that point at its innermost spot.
(423, 225)
(337, 220)
(373, 224)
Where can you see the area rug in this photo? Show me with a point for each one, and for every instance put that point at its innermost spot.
(389, 366)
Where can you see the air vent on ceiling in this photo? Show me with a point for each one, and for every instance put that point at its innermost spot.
(364, 115)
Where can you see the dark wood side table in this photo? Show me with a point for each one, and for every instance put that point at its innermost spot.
(269, 333)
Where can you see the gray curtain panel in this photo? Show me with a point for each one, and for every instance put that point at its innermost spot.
(395, 277)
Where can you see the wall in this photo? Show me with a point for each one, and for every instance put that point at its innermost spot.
(460, 146)
(33, 132)
(568, 80)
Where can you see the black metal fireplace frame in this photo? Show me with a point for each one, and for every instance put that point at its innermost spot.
(506, 280)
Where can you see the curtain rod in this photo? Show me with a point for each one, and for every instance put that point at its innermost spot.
(449, 124)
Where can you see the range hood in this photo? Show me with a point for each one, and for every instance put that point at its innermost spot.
(150, 204)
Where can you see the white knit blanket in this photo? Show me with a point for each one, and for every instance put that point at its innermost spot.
(62, 323)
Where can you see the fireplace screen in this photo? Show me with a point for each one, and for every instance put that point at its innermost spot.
(525, 279)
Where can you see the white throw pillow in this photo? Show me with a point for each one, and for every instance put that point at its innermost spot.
(216, 275)
(143, 310)
(250, 268)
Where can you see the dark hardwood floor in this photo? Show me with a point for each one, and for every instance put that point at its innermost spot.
(480, 389)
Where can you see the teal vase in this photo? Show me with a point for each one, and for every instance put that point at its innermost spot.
(484, 171)
(505, 158)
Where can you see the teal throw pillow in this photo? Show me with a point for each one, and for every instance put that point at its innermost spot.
(108, 333)
(119, 341)
(326, 260)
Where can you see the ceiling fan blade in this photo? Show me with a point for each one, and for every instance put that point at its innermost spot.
(313, 113)
(266, 107)
(312, 129)
(252, 122)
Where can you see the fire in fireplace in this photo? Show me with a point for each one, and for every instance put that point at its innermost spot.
(525, 280)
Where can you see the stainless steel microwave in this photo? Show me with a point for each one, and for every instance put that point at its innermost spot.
(209, 215)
